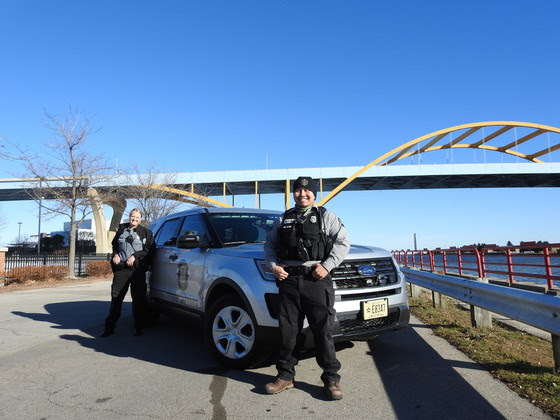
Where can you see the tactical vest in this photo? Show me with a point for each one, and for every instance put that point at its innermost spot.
(303, 239)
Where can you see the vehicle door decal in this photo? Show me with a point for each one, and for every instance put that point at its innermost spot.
(183, 275)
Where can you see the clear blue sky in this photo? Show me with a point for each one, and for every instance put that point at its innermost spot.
(236, 85)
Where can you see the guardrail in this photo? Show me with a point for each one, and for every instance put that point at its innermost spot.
(537, 309)
(538, 263)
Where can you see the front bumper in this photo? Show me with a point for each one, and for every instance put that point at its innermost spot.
(351, 326)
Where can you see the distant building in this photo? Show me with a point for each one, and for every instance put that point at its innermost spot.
(86, 231)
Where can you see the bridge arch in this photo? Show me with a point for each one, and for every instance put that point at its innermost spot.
(439, 140)
(190, 197)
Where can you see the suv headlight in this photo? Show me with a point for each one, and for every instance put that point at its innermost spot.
(264, 270)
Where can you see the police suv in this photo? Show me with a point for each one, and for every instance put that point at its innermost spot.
(209, 263)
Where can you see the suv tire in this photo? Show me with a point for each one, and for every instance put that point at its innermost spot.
(231, 333)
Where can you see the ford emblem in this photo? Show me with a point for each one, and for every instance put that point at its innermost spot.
(366, 270)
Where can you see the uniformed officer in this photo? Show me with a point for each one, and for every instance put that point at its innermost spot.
(301, 250)
(131, 252)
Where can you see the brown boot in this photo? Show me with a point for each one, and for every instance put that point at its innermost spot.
(333, 390)
(278, 385)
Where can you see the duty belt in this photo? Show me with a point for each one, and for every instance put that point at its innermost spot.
(298, 270)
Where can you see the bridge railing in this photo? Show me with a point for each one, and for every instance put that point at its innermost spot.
(538, 263)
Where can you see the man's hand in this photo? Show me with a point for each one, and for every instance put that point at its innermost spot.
(319, 271)
(116, 259)
(279, 272)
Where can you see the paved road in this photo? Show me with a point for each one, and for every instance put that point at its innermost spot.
(52, 366)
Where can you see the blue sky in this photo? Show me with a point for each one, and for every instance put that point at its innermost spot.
(239, 85)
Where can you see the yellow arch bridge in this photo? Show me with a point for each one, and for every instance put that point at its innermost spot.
(531, 145)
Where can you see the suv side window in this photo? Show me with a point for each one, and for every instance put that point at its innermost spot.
(167, 235)
(194, 225)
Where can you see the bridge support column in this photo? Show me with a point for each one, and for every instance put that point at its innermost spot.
(103, 237)
(287, 195)
(118, 206)
(101, 244)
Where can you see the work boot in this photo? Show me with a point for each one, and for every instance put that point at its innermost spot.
(278, 385)
(107, 333)
(333, 390)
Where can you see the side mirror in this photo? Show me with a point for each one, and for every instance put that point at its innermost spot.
(188, 241)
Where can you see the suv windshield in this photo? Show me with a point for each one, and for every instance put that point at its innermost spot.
(240, 228)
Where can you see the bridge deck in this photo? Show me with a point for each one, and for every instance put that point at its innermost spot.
(392, 177)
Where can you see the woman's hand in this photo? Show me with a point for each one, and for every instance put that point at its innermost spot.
(130, 261)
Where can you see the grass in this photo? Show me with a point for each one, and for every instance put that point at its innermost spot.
(522, 361)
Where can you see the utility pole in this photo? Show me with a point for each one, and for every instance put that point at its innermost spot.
(415, 246)
(19, 234)
(39, 233)
(39, 227)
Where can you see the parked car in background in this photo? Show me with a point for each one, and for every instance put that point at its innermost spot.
(209, 264)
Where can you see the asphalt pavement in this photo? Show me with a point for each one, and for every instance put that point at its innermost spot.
(54, 366)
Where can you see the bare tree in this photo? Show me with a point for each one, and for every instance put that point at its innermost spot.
(65, 171)
(149, 191)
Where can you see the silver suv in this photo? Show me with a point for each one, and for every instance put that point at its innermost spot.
(209, 263)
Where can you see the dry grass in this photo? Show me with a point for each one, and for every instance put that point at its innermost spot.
(522, 361)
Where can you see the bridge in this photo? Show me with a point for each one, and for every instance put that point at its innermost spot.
(526, 143)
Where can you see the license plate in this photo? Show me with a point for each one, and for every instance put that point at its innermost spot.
(375, 308)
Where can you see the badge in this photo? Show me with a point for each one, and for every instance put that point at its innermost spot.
(304, 182)
(313, 219)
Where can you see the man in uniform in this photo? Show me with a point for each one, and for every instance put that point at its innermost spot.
(131, 252)
(301, 250)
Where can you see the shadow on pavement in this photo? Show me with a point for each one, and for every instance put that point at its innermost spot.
(418, 381)
(174, 342)
(421, 384)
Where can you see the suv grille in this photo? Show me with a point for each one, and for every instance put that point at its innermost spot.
(358, 325)
(346, 275)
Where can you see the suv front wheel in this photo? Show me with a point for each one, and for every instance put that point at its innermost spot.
(231, 332)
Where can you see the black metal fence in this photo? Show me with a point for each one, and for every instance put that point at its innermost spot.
(36, 260)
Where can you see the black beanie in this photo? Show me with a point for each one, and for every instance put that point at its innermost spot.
(306, 182)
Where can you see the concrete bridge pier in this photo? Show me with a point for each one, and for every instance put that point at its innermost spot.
(103, 237)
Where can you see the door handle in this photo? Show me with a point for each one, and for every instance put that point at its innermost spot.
(173, 257)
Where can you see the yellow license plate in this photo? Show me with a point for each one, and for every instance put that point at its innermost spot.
(375, 308)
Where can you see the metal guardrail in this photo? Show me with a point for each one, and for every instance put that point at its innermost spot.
(537, 309)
